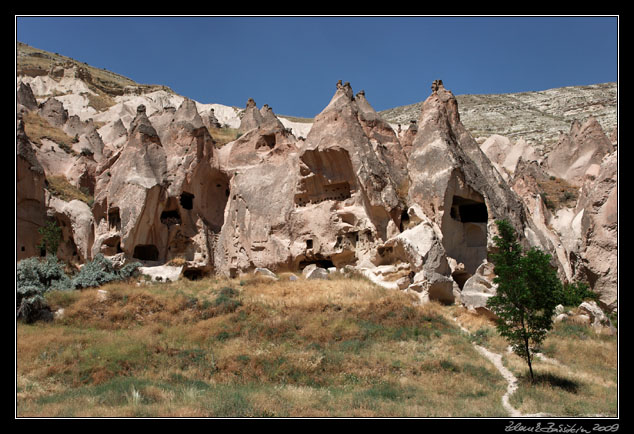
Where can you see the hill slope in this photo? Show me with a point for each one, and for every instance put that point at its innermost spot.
(537, 117)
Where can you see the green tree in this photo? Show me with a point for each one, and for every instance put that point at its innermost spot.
(528, 292)
(51, 237)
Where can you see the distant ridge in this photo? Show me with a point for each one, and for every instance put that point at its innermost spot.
(537, 117)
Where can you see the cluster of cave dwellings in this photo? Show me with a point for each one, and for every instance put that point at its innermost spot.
(338, 191)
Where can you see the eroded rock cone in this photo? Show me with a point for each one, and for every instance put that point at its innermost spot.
(575, 153)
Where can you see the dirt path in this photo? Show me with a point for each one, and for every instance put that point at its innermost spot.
(511, 380)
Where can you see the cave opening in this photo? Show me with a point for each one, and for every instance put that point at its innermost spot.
(114, 219)
(265, 140)
(193, 274)
(187, 200)
(171, 217)
(146, 252)
(323, 263)
(468, 210)
(460, 277)
(404, 220)
(309, 244)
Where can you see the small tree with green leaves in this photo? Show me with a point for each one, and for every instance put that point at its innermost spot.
(528, 292)
(51, 237)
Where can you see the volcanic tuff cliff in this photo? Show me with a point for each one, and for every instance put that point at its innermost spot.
(413, 209)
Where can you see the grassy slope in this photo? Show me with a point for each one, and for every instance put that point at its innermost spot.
(332, 348)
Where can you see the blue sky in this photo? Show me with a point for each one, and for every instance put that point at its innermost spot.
(293, 63)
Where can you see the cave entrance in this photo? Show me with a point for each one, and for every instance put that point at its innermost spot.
(460, 277)
(187, 200)
(265, 140)
(114, 219)
(323, 263)
(193, 274)
(146, 252)
(171, 217)
(468, 210)
(404, 220)
(465, 232)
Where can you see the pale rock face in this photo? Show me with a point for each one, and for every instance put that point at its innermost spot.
(25, 97)
(413, 210)
(479, 288)
(334, 199)
(30, 199)
(252, 118)
(576, 152)
(596, 258)
(157, 200)
(76, 221)
(455, 184)
(505, 154)
(54, 112)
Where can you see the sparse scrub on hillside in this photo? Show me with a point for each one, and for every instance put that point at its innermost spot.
(36, 277)
(224, 135)
(59, 186)
(99, 101)
(38, 129)
(267, 348)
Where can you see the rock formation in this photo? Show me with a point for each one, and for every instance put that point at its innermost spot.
(30, 203)
(413, 210)
(579, 151)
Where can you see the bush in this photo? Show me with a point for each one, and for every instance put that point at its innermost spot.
(51, 237)
(100, 271)
(573, 294)
(34, 278)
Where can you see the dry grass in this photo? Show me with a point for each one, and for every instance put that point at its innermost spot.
(37, 129)
(252, 347)
(558, 193)
(60, 187)
(224, 135)
(101, 101)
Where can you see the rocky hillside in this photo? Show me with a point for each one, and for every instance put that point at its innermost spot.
(138, 172)
(536, 117)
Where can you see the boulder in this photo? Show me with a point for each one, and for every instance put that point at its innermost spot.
(597, 318)
(162, 273)
(312, 271)
(479, 288)
(265, 272)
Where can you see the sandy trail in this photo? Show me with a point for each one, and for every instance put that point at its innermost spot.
(511, 380)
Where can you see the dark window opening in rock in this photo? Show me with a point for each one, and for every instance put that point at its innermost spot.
(267, 140)
(404, 220)
(22, 249)
(309, 244)
(114, 219)
(187, 200)
(146, 252)
(171, 217)
(460, 277)
(42, 252)
(468, 211)
(193, 274)
(323, 263)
